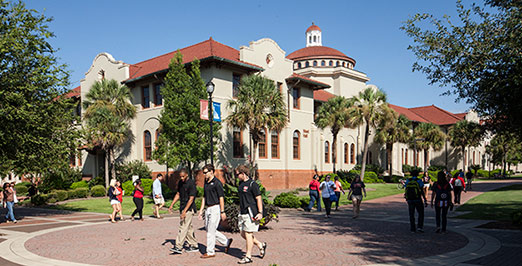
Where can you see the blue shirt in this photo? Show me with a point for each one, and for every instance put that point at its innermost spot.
(156, 187)
(421, 184)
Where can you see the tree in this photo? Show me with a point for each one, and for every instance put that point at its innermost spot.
(390, 131)
(478, 59)
(502, 148)
(259, 106)
(427, 136)
(333, 114)
(184, 136)
(368, 108)
(108, 112)
(465, 134)
(37, 132)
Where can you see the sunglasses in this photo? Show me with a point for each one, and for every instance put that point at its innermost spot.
(205, 172)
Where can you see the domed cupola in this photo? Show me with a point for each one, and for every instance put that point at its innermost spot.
(313, 36)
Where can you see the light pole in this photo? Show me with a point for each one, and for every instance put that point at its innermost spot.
(210, 90)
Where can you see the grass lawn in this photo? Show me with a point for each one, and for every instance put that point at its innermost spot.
(497, 204)
(102, 205)
(373, 191)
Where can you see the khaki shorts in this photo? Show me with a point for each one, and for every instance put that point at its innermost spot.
(357, 197)
(246, 224)
(159, 201)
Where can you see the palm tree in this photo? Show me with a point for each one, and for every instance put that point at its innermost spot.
(368, 108)
(259, 105)
(107, 115)
(390, 131)
(465, 134)
(333, 114)
(427, 136)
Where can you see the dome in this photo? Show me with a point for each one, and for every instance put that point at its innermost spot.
(313, 27)
(318, 52)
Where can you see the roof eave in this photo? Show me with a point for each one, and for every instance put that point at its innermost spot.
(316, 85)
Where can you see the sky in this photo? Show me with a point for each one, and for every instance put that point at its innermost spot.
(368, 31)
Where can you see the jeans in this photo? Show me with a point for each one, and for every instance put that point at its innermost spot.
(444, 211)
(458, 191)
(327, 205)
(338, 195)
(139, 207)
(419, 206)
(314, 197)
(10, 211)
(212, 218)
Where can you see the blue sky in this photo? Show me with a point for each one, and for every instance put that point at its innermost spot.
(133, 31)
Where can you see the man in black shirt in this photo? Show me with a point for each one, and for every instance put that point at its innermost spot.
(214, 199)
(250, 212)
(187, 207)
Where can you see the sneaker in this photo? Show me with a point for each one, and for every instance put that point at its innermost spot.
(192, 249)
(176, 250)
(227, 248)
(420, 230)
(412, 231)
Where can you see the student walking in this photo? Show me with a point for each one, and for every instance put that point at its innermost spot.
(469, 179)
(137, 197)
(414, 195)
(442, 196)
(186, 195)
(113, 192)
(214, 200)
(357, 188)
(9, 199)
(458, 186)
(426, 179)
(250, 213)
(120, 199)
(338, 190)
(327, 191)
(157, 194)
(314, 193)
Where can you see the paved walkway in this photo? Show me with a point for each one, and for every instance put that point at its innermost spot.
(380, 236)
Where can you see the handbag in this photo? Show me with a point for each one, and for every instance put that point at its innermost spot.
(333, 197)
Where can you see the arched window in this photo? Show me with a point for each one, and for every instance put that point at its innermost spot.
(295, 142)
(262, 144)
(369, 158)
(330, 63)
(406, 156)
(299, 65)
(315, 38)
(337, 64)
(310, 39)
(352, 153)
(147, 145)
(307, 64)
(323, 63)
(465, 159)
(315, 63)
(326, 152)
(402, 156)
(346, 153)
(275, 144)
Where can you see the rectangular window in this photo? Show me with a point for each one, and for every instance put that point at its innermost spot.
(296, 94)
(237, 143)
(72, 159)
(158, 99)
(236, 79)
(145, 97)
(275, 144)
(262, 145)
(80, 158)
(280, 87)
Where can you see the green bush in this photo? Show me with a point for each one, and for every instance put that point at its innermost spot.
(408, 168)
(146, 183)
(82, 192)
(25, 183)
(304, 202)
(52, 195)
(99, 180)
(516, 217)
(370, 168)
(39, 199)
(98, 191)
(128, 187)
(21, 190)
(166, 191)
(369, 177)
(61, 195)
(287, 200)
(61, 178)
(200, 191)
(126, 170)
(433, 175)
(79, 184)
(71, 194)
(436, 168)
(51, 200)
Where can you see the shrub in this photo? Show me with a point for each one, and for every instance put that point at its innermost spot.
(61, 195)
(396, 178)
(51, 200)
(436, 168)
(52, 195)
(408, 168)
(82, 192)
(71, 194)
(98, 191)
(39, 199)
(146, 183)
(369, 177)
(79, 184)
(344, 175)
(125, 171)
(433, 175)
(128, 187)
(21, 190)
(304, 202)
(200, 191)
(99, 180)
(61, 178)
(25, 183)
(166, 191)
(516, 217)
(370, 168)
(287, 200)
(232, 212)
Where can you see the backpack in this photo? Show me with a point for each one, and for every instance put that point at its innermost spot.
(443, 192)
(413, 191)
(458, 182)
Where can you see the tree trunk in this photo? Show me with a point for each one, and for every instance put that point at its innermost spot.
(390, 159)
(334, 150)
(253, 159)
(106, 169)
(425, 161)
(111, 164)
(463, 158)
(365, 150)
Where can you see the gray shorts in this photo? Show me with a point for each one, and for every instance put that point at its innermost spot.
(357, 197)
(246, 224)
(159, 201)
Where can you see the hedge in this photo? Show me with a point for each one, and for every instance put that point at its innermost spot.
(21, 190)
(287, 200)
(127, 187)
(98, 191)
(61, 195)
(39, 199)
(82, 192)
(79, 184)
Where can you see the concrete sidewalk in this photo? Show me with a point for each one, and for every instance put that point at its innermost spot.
(380, 236)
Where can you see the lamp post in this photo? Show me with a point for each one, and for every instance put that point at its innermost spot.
(210, 90)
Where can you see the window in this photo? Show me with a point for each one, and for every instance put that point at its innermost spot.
(80, 158)
(402, 156)
(344, 64)
(352, 153)
(237, 143)
(330, 63)
(299, 65)
(369, 158)
(295, 143)
(262, 144)
(236, 79)
(323, 63)
(145, 97)
(72, 159)
(147, 145)
(307, 64)
(417, 157)
(326, 152)
(406, 156)
(275, 144)
(315, 38)
(296, 95)
(465, 157)
(315, 63)
(346, 153)
(158, 99)
(280, 87)
(337, 64)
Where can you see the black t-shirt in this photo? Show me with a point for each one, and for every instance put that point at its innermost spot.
(469, 175)
(185, 190)
(248, 191)
(356, 187)
(212, 191)
(442, 193)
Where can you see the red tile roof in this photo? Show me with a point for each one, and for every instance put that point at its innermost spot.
(461, 116)
(202, 50)
(436, 115)
(315, 83)
(322, 95)
(409, 114)
(73, 93)
(313, 27)
(319, 52)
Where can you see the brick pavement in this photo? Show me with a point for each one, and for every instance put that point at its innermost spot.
(380, 236)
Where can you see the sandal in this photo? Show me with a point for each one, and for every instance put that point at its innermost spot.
(262, 251)
(245, 260)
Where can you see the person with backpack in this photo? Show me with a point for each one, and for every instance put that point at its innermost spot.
(414, 196)
(314, 193)
(327, 191)
(458, 185)
(442, 196)
(250, 213)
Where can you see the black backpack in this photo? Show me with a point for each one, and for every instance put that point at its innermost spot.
(443, 194)
(413, 191)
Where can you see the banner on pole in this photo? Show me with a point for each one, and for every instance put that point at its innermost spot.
(203, 110)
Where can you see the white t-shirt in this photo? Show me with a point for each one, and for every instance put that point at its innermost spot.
(327, 188)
